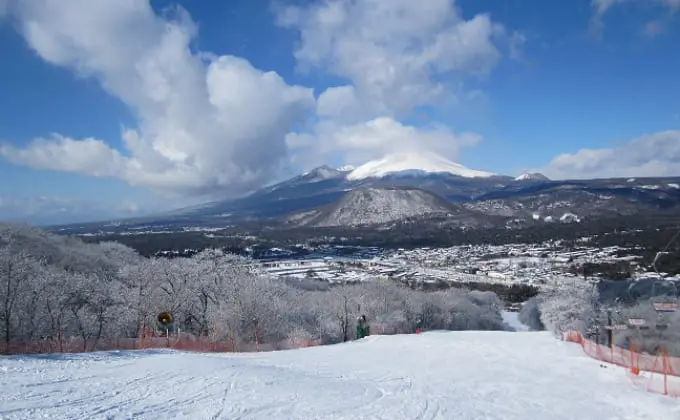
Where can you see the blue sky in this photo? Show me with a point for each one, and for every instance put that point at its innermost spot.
(122, 107)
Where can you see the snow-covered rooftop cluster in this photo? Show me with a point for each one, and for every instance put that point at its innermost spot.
(546, 266)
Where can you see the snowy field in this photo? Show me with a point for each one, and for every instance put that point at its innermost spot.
(436, 375)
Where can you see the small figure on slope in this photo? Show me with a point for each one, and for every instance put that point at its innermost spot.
(363, 329)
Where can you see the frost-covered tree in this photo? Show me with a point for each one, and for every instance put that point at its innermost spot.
(17, 271)
(530, 314)
(60, 289)
(569, 310)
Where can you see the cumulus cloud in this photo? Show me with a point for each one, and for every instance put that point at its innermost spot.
(210, 124)
(88, 156)
(655, 154)
(393, 52)
(205, 123)
(395, 56)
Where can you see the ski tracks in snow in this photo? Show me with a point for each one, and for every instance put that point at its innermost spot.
(431, 376)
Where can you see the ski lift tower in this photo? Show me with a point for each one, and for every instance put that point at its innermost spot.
(665, 304)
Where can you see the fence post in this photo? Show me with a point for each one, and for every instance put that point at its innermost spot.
(61, 343)
(634, 367)
(665, 372)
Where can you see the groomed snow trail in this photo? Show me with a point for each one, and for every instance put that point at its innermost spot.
(511, 320)
(436, 375)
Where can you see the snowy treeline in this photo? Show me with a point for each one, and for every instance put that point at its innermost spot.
(578, 309)
(58, 287)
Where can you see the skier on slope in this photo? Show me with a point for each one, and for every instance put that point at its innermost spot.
(363, 328)
(419, 325)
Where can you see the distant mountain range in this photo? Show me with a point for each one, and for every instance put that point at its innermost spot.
(407, 186)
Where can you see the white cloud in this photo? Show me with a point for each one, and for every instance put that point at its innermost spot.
(395, 56)
(87, 156)
(204, 125)
(208, 123)
(375, 138)
(395, 52)
(46, 210)
(601, 7)
(655, 154)
(517, 41)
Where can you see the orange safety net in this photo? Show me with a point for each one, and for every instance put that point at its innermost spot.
(658, 373)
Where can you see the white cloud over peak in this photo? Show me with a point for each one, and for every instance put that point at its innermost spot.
(375, 138)
(210, 124)
(656, 154)
(395, 56)
(204, 124)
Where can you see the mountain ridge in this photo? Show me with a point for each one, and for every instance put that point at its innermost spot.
(377, 205)
(533, 198)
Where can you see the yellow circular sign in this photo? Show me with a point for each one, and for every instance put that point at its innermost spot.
(165, 318)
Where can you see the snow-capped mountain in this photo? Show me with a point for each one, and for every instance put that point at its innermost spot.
(532, 176)
(320, 196)
(370, 206)
(321, 173)
(405, 164)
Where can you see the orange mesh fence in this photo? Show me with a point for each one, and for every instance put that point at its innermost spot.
(658, 373)
(151, 339)
(384, 329)
(183, 341)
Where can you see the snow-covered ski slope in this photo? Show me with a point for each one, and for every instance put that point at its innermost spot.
(435, 375)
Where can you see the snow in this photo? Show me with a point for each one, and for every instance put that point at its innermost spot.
(321, 173)
(368, 206)
(346, 168)
(512, 321)
(531, 176)
(434, 375)
(413, 164)
(570, 218)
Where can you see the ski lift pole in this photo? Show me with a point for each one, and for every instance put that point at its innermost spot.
(658, 255)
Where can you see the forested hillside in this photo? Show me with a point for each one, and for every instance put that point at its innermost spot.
(647, 235)
(55, 288)
(581, 310)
